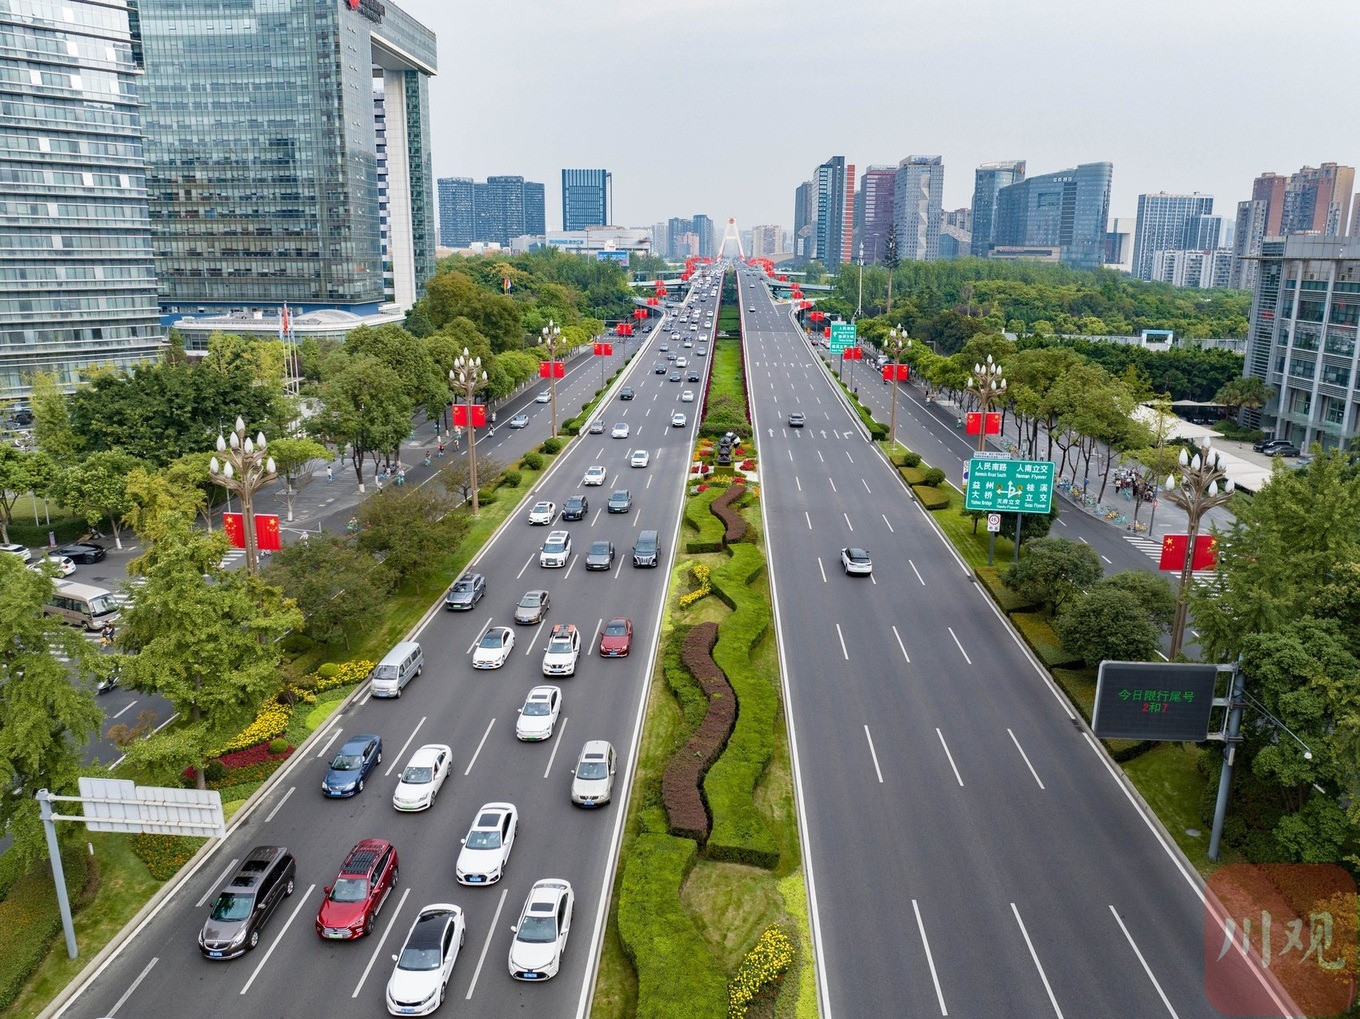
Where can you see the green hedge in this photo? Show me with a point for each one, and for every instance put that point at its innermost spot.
(913, 475)
(740, 834)
(703, 531)
(30, 922)
(532, 461)
(512, 478)
(932, 498)
(678, 977)
(35, 536)
(1037, 629)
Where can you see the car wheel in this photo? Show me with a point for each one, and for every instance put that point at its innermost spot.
(361, 786)
(380, 757)
(254, 938)
(288, 888)
(396, 877)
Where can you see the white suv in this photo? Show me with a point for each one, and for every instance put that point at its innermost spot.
(564, 647)
(556, 550)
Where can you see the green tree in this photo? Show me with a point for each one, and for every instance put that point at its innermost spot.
(1052, 570)
(154, 496)
(409, 528)
(1153, 592)
(52, 420)
(96, 488)
(421, 379)
(1107, 624)
(20, 471)
(45, 719)
(1246, 391)
(205, 639)
(367, 408)
(291, 458)
(335, 584)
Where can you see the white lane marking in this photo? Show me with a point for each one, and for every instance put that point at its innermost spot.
(208, 894)
(866, 486)
(327, 745)
(889, 523)
(820, 457)
(930, 959)
(1146, 968)
(917, 572)
(480, 744)
(901, 645)
(524, 567)
(822, 568)
(959, 646)
(797, 482)
(557, 742)
(1110, 561)
(533, 643)
(949, 755)
(400, 754)
(368, 694)
(790, 452)
(140, 977)
(833, 483)
(570, 565)
(596, 520)
(850, 458)
(847, 521)
(478, 639)
(490, 932)
(594, 637)
(1026, 757)
(1062, 521)
(1037, 964)
(279, 806)
(391, 922)
(840, 636)
(278, 936)
(130, 706)
(808, 518)
(874, 754)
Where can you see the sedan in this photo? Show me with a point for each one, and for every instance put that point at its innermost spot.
(532, 607)
(626, 393)
(600, 556)
(596, 427)
(486, 849)
(59, 563)
(592, 780)
(693, 376)
(543, 512)
(595, 476)
(700, 351)
(424, 776)
(620, 502)
(687, 396)
(856, 560)
(494, 648)
(357, 758)
(519, 421)
(619, 431)
(675, 377)
(541, 934)
(466, 592)
(539, 714)
(617, 638)
(797, 419)
(421, 977)
(84, 552)
(544, 397)
(678, 420)
(640, 458)
(13, 549)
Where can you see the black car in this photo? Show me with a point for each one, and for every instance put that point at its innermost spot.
(1282, 449)
(84, 552)
(693, 376)
(575, 508)
(246, 902)
(620, 502)
(660, 369)
(626, 393)
(355, 762)
(600, 556)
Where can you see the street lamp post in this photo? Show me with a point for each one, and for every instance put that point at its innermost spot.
(467, 374)
(1202, 485)
(898, 341)
(245, 468)
(551, 336)
(988, 387)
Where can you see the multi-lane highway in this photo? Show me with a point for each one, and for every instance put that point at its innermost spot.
(160, 972)
(970, 849)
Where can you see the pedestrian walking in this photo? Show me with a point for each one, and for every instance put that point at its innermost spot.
(441, 449)
(330, 474)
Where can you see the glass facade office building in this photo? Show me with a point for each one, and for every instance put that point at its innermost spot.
(263, 154)
(587, 199)
(77, 284)
(1067, 210)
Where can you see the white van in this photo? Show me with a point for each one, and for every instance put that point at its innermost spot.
(398, 667)
(82, 605)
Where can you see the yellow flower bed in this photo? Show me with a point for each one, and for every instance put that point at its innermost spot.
(270, 722)
(763, 967)
(700, 572)
(344, 675)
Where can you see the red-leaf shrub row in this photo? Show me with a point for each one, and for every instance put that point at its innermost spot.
(250, 755)
(686, 813)
(734, 522)
(241, 766)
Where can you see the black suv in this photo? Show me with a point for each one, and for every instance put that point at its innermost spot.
(575, 508)
(247, 901)
(626, 393)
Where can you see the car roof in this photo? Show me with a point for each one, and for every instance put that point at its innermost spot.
(500, 809)
(599, 546)
(358, 741)
(428, 753)
(542, 502)
(542, 693)
(557, 535)
(363, 856)
(855, 552)
(428, 930)
(596, 748)
(563, 629)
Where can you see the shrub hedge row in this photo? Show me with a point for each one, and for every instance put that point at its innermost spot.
(734, 524)
(678, 976)
(932, 498)
(701, 522)
(686, 815)
(30, 922)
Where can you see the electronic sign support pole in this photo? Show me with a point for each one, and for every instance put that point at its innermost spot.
(58, 874)
(1019, 519)
(1232, 737)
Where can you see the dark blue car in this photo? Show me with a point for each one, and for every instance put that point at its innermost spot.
(351, 765)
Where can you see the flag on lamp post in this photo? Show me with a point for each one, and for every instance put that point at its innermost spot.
(234, 526)
(267, 535)
(460, 415)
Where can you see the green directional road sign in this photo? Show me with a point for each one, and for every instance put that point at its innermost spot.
(843, 335)
(1009, 486)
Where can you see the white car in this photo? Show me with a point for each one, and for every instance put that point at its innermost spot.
(23, 553)
(539, 714)
(564, 648)
(541, 934)
(486, 849)
(544, 397)
(421, 977)
(682, 362)
(687, 396)
(640, 458)
(493, 650)
(678, 420)
(595, 476)
(543, 512)
(424, 775)
(592, 780)
(63, 566)
(856, 560)
(556, 550)
(619, 431)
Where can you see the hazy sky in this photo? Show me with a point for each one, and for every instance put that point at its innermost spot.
(724, 106)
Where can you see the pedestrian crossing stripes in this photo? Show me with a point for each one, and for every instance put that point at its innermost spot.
(233, 556)
(1153, 549)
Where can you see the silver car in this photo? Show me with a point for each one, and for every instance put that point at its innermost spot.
(592, 780)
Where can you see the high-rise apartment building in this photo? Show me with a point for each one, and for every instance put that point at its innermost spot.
(261, 149)
(1193, 267)
(835, 198)
(456, 203)
(506, 195)
(587, 199)
(956, 232)
(767, 239)
(805, 221)
(1164, 222)
(494, 211)
(1203, 233)
(1315, 199)
(1065, 211)
(874, 211)
(535, 210)
(988, 179)
(77, 283)
(702, 226)
(917, 197)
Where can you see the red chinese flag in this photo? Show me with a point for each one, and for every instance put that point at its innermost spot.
(853, 354)
(903, 372)
(1206, 552)
(460, 414)
(479, 415)
(267, 532)
(559, 369)
(640, 314)
(827, 332)
(994, 423)
(1173, 552)
(972, 422)
(783, 279)
(604, 349)
(544, 369)
(235, 527)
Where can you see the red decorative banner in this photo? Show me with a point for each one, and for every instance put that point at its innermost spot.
(974, 423)
(551, 369)
(816, 316)
(853, 354)
(902, 371)
(827, 332)
(267, 535)
(460, 413)
(604, 349)
(1206, 553)
(624, 329)
(640, 314)
(234, 526)
(1173, 552)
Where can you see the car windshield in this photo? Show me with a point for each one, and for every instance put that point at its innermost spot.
(350, 889)
(537, 930)
(484, 839)
(345, 762)
(591, 770)
(463, 585)
(417, 776)
(492, 640)
(559, 645)
(529, 601)
(553, 546)
(232, 907)
(615, 630)
(599, 549)
(536, 708)
(418, 959)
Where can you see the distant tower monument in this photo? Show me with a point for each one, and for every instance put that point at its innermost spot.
(731, 234)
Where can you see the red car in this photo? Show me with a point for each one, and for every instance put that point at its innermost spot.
(617, 638)
(352, 904)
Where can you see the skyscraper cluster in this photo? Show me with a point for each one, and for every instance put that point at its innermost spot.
(1313, 200)
(824, 214)
(494, 211)
(686, 238)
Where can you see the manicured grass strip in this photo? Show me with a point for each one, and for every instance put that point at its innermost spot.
(678, 977)
(793, 890)
(30, 923)
(1168, 777)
